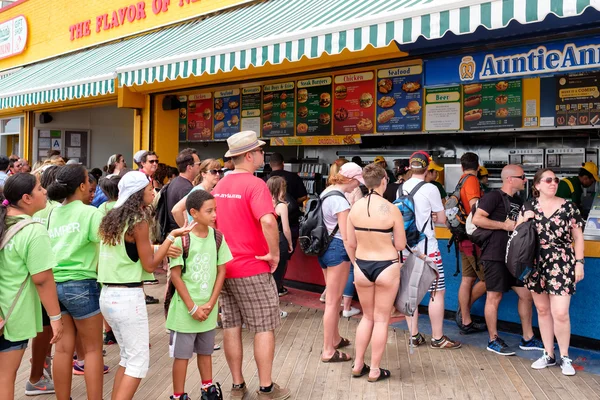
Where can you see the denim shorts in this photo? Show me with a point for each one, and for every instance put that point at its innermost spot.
(335, 254)
(7, 345)
(79, 299)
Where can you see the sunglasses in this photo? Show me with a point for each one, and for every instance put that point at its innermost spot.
(521, 177)
(550, 180)
(153, 161)
(215, 171)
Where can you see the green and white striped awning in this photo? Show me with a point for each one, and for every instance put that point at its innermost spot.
(269, 31)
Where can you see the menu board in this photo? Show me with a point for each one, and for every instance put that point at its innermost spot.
(442, 108)
(227, 113)
(251, 109)
(399, 102)
(313, 107)
(354, 104)
(578, 99)
(199, 116)
(493, 105)
(183, 126)
(278, 110)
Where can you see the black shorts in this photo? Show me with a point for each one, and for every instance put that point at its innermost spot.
(498, 278)
(45, 317)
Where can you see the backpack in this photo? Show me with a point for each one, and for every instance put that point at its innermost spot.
(313, 236)
(162, 214)
(406, 205)
(479, 236)
(185, 241)
(416, 278)
(456, 215)
(522, 249)
(12, 231)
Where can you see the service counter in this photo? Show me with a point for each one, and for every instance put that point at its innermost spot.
(585, 312)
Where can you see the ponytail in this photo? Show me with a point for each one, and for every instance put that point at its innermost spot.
(68, 179)
(15, 188)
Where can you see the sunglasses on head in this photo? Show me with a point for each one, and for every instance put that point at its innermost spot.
(153, 161)
(215, 171)
(521, 177)
(550, 180)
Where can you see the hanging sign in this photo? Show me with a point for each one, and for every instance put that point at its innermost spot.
(13, 36)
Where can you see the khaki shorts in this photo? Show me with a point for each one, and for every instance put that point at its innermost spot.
(470, 269)
(252, 300)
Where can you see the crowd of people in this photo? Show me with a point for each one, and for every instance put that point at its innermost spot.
(77, 248)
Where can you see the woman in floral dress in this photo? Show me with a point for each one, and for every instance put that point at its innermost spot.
(559, 266)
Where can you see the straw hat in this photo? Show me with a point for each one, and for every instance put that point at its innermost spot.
(243, 142)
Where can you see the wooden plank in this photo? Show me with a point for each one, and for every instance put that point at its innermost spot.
(495, 361)
(478, 371)
(405, 366)
(487, 371)
(469, 388)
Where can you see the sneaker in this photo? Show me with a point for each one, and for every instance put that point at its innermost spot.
(351, 312)
(417, 340)
(79, 369)
(151, 282)
(182, 397)
(498, 346)
(238, 392)
(43, 386)
(151, 300)
(283, 314)
(544, 361)
(213, 392)
(277, 393)
(566, 365)
(109, 338)
(283, 292)
(531, 344)
(322, 298)
(217, 347)
(445, 343)
(473, 327)
(458, 318)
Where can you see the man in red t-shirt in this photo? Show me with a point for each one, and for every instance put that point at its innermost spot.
(246, 216)
(472, 269)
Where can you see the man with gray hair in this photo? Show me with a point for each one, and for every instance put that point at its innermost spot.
(498, 211)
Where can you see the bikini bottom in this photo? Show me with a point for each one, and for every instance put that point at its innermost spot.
(372, 269)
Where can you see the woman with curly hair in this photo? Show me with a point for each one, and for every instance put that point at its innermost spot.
(125, 252)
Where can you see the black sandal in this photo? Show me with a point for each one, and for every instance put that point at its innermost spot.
(338, 356)
(383, 374)
(364, 371)
(343, 343)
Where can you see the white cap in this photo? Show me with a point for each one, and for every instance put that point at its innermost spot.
(73, 162)
(137, 157)
(131, 183)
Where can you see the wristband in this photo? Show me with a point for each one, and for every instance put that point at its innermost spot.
(55, 317)
(581, 261)
(156, 248)
(171, 238)
(193, 310)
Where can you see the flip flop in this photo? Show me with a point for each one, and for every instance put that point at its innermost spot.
(364, 371)
(337, 357)
(343, 343)
(383, 374)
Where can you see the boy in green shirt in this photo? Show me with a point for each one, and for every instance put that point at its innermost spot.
(198, 280)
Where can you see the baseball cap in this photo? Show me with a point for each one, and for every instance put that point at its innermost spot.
(137, 157)
(420, 159)
(353, 171)
(435, 167)
(592, 169)
(379, 159)
(131, 183)
(483, 171)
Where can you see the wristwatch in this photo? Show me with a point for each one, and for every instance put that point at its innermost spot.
(581, 261)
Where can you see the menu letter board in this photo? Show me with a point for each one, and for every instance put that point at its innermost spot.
(354, 103)
(314, 107)
(442, 109)
(199, 115)
(227, 113)
(578, 99)
(278, 110)
(183, 126)
(399, 100)
(251, 109)
(495, 105)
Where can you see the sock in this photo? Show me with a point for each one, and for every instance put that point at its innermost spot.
(267, 389)
(207, 383)
(240, 386)
(177, 395)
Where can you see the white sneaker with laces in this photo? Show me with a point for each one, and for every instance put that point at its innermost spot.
(566, 365)
(544, 361)
(350, 313)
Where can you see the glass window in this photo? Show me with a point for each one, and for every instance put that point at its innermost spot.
(11, 126)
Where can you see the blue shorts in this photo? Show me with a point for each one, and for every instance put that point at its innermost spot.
(79, 299)
(335, 254)
(7, 345)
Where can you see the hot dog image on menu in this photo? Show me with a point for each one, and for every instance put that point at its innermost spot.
(199, 116)
(492, 105)
(399, 99)
(278, 109)
(354, 103)
(313, 106)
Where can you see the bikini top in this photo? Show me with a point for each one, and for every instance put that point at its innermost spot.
(388, 230)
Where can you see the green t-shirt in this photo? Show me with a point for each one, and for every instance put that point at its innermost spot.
(106, 207)
(42, 215)
(199, 278)
(115, 266)
(564, 191)
(440, 188)
(73, 231)
(29, 251)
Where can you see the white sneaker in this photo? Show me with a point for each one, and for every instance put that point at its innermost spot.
(350, 313)
(283, 314)
(566, 366)
(322, 298)
(543, 362)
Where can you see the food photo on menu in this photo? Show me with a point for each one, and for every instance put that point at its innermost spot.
(492, 105)
(354, 103)
(399, 99)
(278, 110)
(577, 100)
(227, 113)
(313, 108)
(199, 116)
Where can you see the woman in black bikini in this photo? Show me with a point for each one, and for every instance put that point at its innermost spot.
(375, 232)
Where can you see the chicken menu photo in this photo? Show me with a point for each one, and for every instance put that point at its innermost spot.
(227, 113)
(278, 109)
(578, 99)
(314, 107)
(493, 105)
(199, 116)
(399, 99)
(354, 103)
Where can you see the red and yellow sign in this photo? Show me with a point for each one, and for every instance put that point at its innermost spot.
(316, 140)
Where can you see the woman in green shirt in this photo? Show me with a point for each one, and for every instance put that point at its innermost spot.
(28, 258)
(125, 252)
(73, 230)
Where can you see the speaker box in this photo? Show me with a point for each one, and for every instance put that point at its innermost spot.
(45, 118)
(170, 103)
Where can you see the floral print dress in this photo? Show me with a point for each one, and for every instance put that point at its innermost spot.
(555, 269)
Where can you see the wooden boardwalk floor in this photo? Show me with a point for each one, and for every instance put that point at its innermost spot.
(467, 373)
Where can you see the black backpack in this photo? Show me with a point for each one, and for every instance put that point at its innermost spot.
(314, 238)
(162, 214)
(406, 205)
(522, 249)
